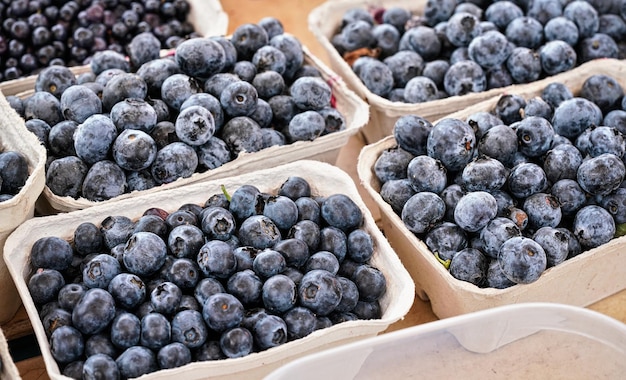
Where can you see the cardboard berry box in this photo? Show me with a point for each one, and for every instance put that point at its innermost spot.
(324, 22)
(324, 148)
(15, 137)
(324, 179)
(580, 281)
(207, 17)
(8, 370)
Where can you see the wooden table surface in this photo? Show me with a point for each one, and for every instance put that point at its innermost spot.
(293, 14)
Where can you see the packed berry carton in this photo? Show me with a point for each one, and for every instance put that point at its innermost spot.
(8, 370)
(515, 199)
(148, 122)
(22, 179)
(244, 274)
(38, 34)
(431, 58)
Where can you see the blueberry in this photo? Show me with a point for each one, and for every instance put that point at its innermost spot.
(66, 344)
(189, 328)
(603, 90)
(462, 28)
(246, 286)
(501, 13)
(538, 107)
(555, 244)
(451, 141)
(392, 164)
(134, 113)
(55, 80)
(108, 59)
(338, 210)
(242, 134)
(100, 270)
(605, 140)
(123, 86)
(43, 105)
(464, 77)
(593, 226)
(144, 253)
(244, 201)
(474, 210)
(601, 175)
(79, 103)
(499, 142)
(176, 160)
(483, 174)
(173, 355)
(128, 290)
(584, 15)
(524, 65)
(305, 126)
(370, 282)
(166, 297)
(247, 39)
(292, 48)
(322, 260)
(376, 76)
(65, 176)
(557, 56)
(51, 253)
(200, 57)
(270, 331)
(422, 211)
(508, 108)
(279, 294)
(420, 89)
(436, 70)
(268, 263)
(574, 115)
(143, 47)
(151, 223)
(125, 330)
(94, 311)
(561, 28)
(177, 88)
(614, 204)
(525, 32)
(489, 49)
(218, 223)
(300, 322)
(222, 311)
(396, 193)
(522, 260)
(207, 287)
(535, 136)
(104, 180)
(116, 229)
(411, 133)
(136, 361)
(543, 210)
(307, 231)
(320, 291)
(470, 265)
(446, 239)
(216, 258)
(427, 174)
(272, 26)
(495, 233)
(44, 285)
(496, 278)
(526, 179)
(100, 366)
(597, 46)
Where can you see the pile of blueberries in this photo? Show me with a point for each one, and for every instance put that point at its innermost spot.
(133, 124)
(13, 174)
(506, 194)
(37, 33)
(240, 274)
(458, 47)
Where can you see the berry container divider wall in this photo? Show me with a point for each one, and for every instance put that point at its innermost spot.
(207, 17)
(325, 148)
(325, 179)
(15, 137)
(579, 281)
(9, 370)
